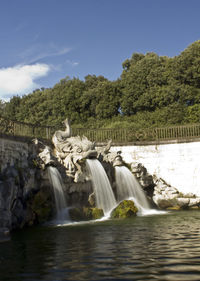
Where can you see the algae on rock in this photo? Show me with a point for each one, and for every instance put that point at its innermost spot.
(42, 206)
(85, 213)
(125, 209)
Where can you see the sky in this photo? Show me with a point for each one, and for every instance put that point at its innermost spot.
(44, 41)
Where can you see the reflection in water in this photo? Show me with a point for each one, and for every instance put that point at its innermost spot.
(145, 248)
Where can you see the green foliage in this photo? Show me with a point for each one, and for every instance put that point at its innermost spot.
(151, 91)
(2, 106)
(193, 114)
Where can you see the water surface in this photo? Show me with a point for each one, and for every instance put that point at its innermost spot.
(162, 247)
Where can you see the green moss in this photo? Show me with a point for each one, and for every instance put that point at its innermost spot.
(125, 209)
(42, 206)
(75, 214)
(174, 208)
(35, 163)
(97, 213)
(85, 213)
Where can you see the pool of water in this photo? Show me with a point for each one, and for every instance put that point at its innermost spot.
(157, 247)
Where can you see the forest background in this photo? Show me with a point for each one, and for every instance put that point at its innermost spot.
(152, 91)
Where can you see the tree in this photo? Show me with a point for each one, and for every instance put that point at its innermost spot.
(152, 90)
(12, 108)
(140, 81)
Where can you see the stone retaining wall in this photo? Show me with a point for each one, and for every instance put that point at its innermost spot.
(12, 151)
(178, 163)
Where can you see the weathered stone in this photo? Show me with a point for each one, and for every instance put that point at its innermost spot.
(46, 156)
(70, 151)
(194, 202)
(125, 209)
(25, 192)
(11, 152)
(164, 202)
(189, 195)
(42, 206)
(183, 202)
(85, 213)
(91, 199)
(113, 158)
(144, 178)
(30, 184)
(4, 234)
(165, 196)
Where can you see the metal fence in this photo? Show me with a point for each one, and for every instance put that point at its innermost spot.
(102, 135)
(151, 134)
(16, 128)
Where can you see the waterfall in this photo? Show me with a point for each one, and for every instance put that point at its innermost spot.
(57, 184)
(104, 195)
(129, 188)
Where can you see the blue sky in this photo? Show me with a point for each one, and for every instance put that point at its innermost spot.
(43, 41)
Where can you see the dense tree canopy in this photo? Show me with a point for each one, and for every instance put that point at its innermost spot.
(151, 91)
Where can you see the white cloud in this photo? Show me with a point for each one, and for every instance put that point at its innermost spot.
(20, 79)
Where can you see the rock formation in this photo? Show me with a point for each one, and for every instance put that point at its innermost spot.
(163, 195)
(144, 178)
(167, 197)
(125, 209)
(26, 196)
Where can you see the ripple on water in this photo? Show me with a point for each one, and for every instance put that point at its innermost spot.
(144, 248)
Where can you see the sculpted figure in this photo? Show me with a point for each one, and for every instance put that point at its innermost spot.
(44, 153)
(59, 136)
(71, 150)
(104, 150)
(46, 157)
(114, 158)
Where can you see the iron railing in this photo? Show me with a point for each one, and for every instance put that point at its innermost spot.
(16, 128)
(151, 134)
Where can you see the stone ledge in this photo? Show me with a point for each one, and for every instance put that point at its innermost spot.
(146, 143)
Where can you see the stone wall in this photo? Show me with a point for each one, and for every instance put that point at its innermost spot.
(26, 192)
(24, 186)
(16, 179)
(12, 151)
(178, 163)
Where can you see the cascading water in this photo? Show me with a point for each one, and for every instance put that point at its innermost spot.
(129, 188)
(105, 198)
(56, 181)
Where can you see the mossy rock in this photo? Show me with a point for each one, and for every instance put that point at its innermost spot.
(125, 209)
(97, 213)
(85, 213)
(174, 208)
(42, 206)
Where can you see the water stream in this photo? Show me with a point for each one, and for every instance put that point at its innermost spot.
(129, 188)
(57, 184)
(104, 195)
